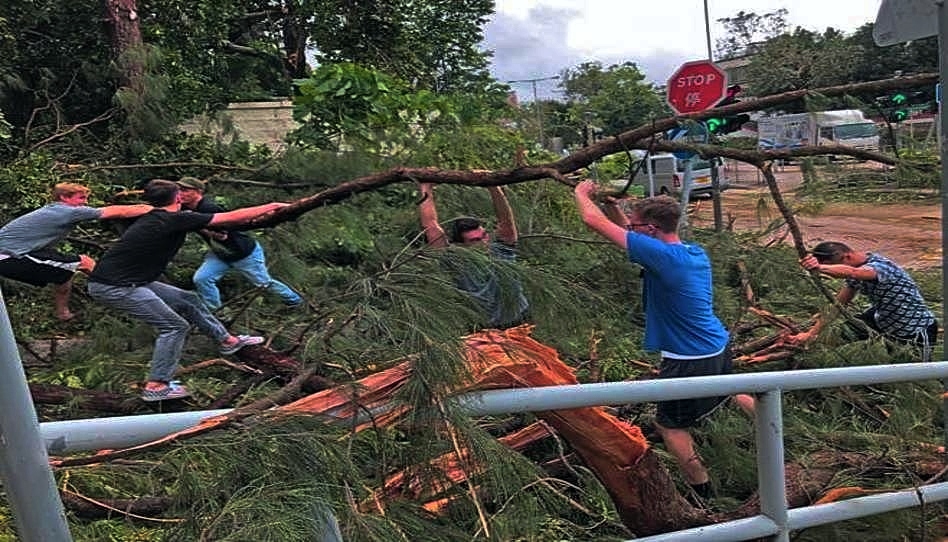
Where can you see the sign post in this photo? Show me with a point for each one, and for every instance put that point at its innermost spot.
(693, 133)
(694, 87)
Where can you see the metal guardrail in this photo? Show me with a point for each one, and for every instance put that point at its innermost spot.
(775, 520)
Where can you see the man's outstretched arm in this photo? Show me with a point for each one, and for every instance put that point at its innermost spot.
(124, 211)
(506, 224)
(246, 214)
(593, 216)
(428, 213)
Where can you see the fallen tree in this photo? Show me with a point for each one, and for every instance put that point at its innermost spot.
(642, 490)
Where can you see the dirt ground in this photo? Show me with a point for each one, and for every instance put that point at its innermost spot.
(909, 234)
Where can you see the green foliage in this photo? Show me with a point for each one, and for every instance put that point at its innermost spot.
(795, 60)
(786, 61)
(475, 146)
(25, 185)
(434, 44)
(914, 179)
(348, 104)
(615, 166)
(744, 30)
(615, 98)
(202, 55)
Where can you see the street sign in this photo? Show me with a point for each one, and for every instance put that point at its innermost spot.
(899, 21)
(692, 133)
(696, 86)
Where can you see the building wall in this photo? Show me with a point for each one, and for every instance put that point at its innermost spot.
(262, 123)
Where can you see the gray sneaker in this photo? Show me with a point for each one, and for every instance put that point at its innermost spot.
(242, 341)
(174, 390)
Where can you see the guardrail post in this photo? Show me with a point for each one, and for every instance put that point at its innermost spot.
(27, 479)
(771, 475)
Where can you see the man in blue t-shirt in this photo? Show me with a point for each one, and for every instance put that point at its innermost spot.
(679, 317)
(501, 298)
(897, 309)
(27, 243)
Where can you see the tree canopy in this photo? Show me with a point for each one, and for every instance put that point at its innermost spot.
(615, 98)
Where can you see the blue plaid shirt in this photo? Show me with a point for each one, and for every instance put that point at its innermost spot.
(900, 311)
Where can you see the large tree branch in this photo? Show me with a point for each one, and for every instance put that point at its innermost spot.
(630, 138)
(637, 138)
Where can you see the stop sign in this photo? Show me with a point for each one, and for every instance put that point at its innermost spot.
(696, 86)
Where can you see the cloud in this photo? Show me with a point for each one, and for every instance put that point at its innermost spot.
(536, 46)
(531, 47)
(540, 38)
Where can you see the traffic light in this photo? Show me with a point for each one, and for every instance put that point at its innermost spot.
(732, 123)
(899, 107)
(726, 125)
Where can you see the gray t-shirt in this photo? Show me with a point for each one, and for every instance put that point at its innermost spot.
(43, 227)
(500, 297)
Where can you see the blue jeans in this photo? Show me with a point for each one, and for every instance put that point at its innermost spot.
(171, 311)
(254, 267)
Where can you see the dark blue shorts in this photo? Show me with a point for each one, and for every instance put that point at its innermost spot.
(688, 412)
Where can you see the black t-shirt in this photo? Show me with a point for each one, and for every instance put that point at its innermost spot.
(238, 244)
(147, 247)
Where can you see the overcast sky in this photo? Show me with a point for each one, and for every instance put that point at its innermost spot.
(539, 38)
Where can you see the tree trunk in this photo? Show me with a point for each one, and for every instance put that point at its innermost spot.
(122, 17)
(294, 44)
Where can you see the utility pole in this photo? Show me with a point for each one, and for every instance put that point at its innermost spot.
(715, 181)
(536, 103)
(707, 30)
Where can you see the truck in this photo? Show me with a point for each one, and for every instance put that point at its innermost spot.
(841, 127)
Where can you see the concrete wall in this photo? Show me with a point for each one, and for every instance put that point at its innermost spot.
(264, 123)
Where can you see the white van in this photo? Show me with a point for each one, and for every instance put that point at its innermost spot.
(668, 173)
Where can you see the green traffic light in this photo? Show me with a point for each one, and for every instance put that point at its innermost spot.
(899, 98)
(714, 124)
(901, 114)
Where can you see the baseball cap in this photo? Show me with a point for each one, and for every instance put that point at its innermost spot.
(193, 183)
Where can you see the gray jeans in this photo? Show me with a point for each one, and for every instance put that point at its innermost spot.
(171, 311)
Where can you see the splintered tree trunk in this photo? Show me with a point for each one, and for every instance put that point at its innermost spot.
(641, 488)
(122, 17)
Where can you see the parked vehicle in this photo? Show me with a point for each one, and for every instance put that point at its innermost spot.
(841, 127)
(668, 174)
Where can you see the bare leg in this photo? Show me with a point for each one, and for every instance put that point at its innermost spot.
(61, 301)
(679, 443)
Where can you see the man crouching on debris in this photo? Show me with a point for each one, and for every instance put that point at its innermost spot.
(679, 316)
(897, 309)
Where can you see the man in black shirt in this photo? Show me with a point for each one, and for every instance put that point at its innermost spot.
(126, 279)
(229, 249)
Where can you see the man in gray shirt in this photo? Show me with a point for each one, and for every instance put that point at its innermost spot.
(502, 301)
(27, 252)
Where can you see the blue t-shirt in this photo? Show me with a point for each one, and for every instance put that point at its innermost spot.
(43, 227)
(900, 310)
(678, 297)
